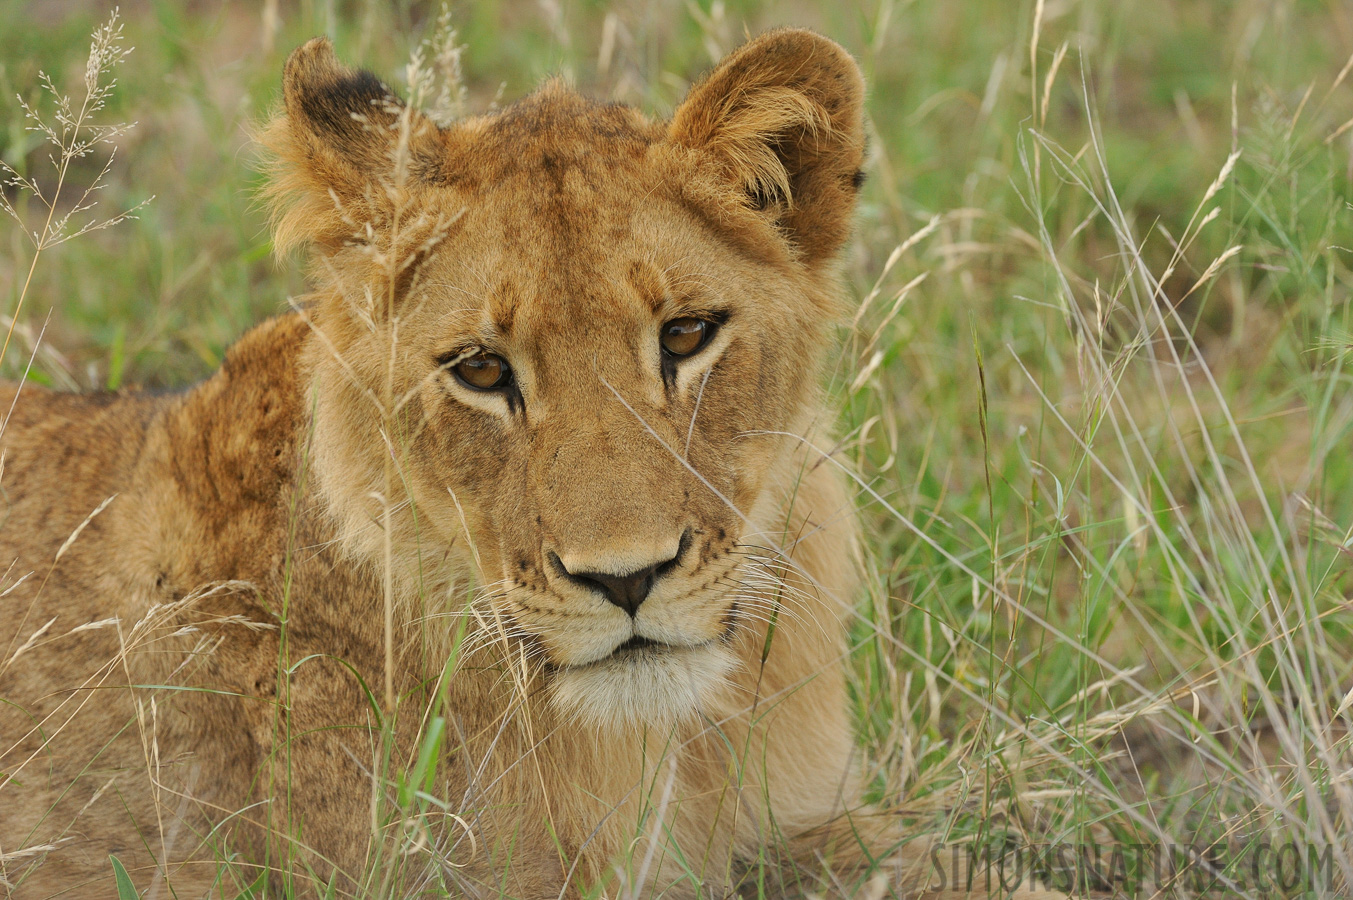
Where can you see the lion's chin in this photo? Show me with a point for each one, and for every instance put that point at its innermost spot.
(654, 687)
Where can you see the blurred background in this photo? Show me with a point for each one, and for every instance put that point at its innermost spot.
(951, 93)
(1096, 394)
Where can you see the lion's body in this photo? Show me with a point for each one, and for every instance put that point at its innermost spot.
(228, 517)
(260, 604)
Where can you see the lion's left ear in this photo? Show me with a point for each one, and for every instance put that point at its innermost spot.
(782, 116)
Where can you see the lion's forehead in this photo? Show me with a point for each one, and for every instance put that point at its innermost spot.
(582, 211)
(576, 215)
(529, 270)
(556, 126)
(553, 149)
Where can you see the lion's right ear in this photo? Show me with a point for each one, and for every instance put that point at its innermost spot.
(340, 150)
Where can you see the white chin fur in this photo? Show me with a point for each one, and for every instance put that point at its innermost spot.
(658, 688)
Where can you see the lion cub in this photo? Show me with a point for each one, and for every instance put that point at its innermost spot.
(507, 562)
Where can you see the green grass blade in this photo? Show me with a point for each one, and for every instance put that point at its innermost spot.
(125, 889)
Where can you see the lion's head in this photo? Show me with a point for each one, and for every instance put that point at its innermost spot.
(565, 344)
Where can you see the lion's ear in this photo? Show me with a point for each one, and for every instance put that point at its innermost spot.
(340, 149)
(783, 118)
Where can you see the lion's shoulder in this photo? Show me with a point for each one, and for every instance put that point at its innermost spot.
(203, 468)
(231, 439)
(63, 454)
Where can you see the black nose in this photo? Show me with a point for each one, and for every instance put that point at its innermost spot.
(625, 591)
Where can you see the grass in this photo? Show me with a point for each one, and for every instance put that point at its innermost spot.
(1097, 393)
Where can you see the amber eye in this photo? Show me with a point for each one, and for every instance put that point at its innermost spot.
(682, 337)
(483, 372)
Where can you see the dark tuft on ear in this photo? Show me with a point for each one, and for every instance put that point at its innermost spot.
(340, 107)
(857, 181)
(781, 119)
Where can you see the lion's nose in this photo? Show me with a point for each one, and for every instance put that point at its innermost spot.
(627, 589)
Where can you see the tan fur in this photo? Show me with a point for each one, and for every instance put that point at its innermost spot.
(264, 523)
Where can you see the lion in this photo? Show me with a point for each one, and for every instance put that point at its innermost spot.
(512, 560)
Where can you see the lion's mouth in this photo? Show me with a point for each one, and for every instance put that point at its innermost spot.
(638, 643)
(637, 650)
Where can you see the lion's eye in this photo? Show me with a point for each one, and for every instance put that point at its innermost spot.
(682, 337)
(483, 372)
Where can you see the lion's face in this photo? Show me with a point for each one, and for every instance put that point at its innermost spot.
(634, 371)
(574, 345)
